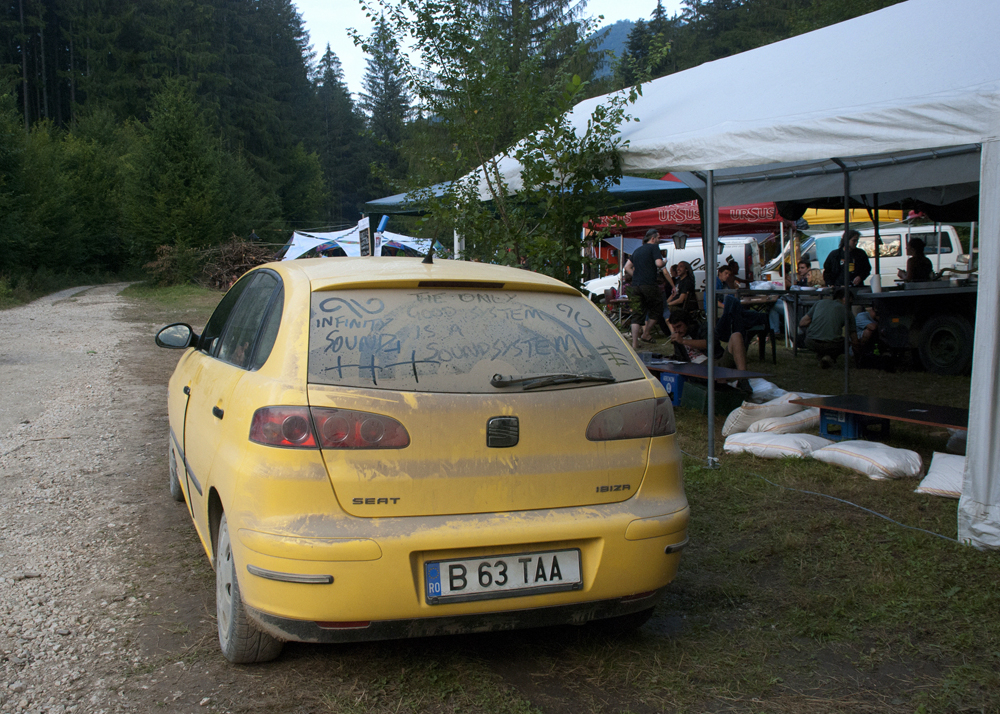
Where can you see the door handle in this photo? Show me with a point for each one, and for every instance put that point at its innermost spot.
(217, 413)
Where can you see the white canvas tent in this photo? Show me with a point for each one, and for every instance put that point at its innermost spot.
(349, 241)
(901, 102)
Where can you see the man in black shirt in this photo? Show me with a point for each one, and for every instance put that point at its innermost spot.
(858, 265)
(643, 266)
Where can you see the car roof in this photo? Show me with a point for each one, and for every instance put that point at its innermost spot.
(398, 272)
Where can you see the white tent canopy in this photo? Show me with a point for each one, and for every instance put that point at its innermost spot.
(905, 100)
(349, 241)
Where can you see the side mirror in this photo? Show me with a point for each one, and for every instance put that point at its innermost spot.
(177, 336)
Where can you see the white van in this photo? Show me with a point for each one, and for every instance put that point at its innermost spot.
(942, 247)
(745, 250)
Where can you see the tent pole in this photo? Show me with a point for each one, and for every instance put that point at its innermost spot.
(781, 228)
(846, 255)
(878, 238)
(972, 245)
(938, 234)
(710, 219)
(621, 264)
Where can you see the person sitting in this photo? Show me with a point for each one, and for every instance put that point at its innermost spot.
(683, 295)
(801, 277)
(735, 322)
(690, 338)
(858, 265)
(825, 323)
(918, 265)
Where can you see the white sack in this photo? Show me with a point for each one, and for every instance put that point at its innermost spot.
(764, 391)
(944, 477)
(739, 420)
(957, 441)
(775, 446)
(877, 461)
(805, 420)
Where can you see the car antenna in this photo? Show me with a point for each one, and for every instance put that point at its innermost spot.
(429, 258)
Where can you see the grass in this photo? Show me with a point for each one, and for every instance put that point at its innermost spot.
(185, 298)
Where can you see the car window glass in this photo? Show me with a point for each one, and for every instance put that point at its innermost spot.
(218, 320)
(457, 340)
(891, 246)
(270, 332)
(931, 242)
(246, 319)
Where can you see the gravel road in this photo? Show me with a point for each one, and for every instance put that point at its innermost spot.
(70, 460)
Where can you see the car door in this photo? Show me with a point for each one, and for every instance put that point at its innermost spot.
(227, 347)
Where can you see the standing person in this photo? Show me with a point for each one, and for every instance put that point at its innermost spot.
(858, 266)
(644, 265)
(918, 265)
(825, 323)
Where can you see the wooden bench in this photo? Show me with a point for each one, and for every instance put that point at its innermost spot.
(674, 374)
(852, 414)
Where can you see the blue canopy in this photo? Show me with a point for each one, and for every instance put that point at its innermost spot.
(632, 194)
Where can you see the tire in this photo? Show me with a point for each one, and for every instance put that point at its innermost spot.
(239, 638)
(176, 492)
(946, 344)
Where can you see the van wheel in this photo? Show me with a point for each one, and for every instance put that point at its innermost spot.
(946, 345)
(239, 638)
(176, 492)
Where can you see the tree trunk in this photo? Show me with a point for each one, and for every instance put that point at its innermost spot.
(24, 67)
(45, 77)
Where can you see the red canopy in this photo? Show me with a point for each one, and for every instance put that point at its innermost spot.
(733, 220)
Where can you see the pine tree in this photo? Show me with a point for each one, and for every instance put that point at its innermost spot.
(385, 100)
(341, 147)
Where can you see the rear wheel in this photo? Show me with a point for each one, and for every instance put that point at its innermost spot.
(239, 638)
(175, 483)
(945, 345)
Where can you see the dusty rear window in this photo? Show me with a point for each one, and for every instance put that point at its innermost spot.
(457, 340)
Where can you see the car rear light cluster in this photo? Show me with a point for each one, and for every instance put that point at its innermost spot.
(637, 420)
(325, 428)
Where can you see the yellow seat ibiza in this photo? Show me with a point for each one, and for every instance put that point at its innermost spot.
(377, 448)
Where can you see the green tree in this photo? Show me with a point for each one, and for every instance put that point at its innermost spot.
(172, 179)
(385, 99)
(647, 52)
(466, 84)
(12, 138)
(342, 153)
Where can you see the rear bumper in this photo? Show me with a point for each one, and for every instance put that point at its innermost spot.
(623, 570)
(577, 614)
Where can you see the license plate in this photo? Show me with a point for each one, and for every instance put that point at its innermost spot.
(502, 576)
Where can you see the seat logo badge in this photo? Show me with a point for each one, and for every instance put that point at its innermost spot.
(502, 432)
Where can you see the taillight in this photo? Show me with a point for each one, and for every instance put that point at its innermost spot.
(300, 427)
(347, 429)
(283, 426)
(637, 420)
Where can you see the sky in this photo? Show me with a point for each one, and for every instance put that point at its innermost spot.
(327, 22)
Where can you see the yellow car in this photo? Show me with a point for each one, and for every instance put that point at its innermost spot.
(376, 448)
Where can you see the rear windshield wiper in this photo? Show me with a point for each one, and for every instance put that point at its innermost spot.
(547, 380)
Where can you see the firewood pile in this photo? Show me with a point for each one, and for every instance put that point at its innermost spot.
(228, 261)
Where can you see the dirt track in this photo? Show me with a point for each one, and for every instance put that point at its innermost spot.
(106, 597)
